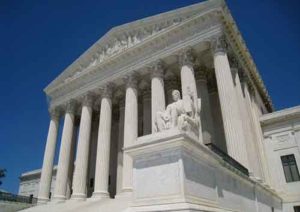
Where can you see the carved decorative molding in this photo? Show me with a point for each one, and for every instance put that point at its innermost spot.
(186, 57)
(131, 80)
(107, 90)
(197, 24)
(88, 100)
(138, 57)
(71, 106)
(54, 113)
(157, 69)
(219, 44)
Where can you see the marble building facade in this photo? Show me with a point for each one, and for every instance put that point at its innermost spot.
(162, 114)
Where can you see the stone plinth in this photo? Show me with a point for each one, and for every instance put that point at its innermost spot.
(173, 171)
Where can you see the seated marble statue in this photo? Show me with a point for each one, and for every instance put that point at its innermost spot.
(182, 113)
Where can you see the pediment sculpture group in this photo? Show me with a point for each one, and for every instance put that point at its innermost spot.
(183, 114)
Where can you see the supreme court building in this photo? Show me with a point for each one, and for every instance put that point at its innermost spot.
(168, 113)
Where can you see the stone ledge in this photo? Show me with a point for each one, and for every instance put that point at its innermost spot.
(172, 167)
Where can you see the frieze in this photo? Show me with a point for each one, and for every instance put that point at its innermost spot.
(198, 29)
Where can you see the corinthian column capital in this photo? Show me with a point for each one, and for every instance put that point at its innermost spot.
(157, 69)
(71, 106)
(186, 57)
(54, 113)
(131, 80)
(106, 90)
(88, 100)
(219, 44)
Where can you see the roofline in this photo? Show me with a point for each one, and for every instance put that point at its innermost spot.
(229, 21)
(34, 172)
(121, 27)
(278, 116)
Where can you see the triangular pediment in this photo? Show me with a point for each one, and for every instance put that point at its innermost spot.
(126, 36)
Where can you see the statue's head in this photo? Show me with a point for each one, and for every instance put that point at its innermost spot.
(176, 95)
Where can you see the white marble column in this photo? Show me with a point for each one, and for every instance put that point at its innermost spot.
(130, 131)
(229, 104)
(72, 159)
(250, 94)
(103, 145)
(188, 82)
(158, 101)
(120, 144)
(248, 135)
(46, 175)
(205, 114)
(65, 154)
(252, 145)
(82, 155)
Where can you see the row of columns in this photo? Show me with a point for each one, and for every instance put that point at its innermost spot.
(128, 132)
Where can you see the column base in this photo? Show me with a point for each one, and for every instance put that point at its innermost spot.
(97, 195)
(126, 193)
(78, 196)
(58, 198)
(42, 200)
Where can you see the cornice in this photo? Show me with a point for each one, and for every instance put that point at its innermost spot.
(138, 57)
(185, 22)
(157, 23)
(281, 115)
(239, 47)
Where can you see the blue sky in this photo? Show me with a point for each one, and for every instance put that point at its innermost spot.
(38, 39)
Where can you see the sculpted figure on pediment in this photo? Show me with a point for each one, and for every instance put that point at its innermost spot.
(182, 114)
(101, 56)
(124, 42)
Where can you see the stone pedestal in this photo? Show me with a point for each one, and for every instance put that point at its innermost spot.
(174, 172)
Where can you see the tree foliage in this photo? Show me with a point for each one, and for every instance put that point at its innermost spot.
(2, 174)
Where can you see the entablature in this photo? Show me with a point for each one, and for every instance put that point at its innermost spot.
(134, 45)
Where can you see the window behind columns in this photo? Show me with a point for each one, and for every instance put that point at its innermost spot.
(290, 168)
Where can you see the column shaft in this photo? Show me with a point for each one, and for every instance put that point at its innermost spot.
(252, 152)
(188, 85)
(64, 156)
(103, 148)
(71, 165)
(130, 131)
(229, 107)
(82, 156)
(188, 81)
(158, 102)
(46, 175)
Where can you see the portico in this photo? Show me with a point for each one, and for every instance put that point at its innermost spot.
(122, 89)
(184, 65)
